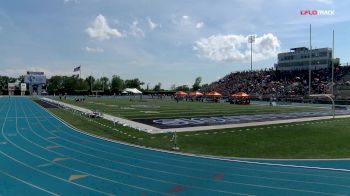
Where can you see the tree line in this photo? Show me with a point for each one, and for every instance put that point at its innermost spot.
(104, 85)
(75, 85)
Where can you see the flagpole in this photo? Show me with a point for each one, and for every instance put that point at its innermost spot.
(80, 72)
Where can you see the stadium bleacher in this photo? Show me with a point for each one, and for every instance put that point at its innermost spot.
(270, 82)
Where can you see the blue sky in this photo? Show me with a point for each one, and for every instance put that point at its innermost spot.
(165, 41)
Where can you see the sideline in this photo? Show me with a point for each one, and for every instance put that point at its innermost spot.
(155, 130)
(125, 122)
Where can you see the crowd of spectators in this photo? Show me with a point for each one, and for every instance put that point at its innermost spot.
(270, 82)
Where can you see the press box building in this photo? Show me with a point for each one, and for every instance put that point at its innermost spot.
(298, 59)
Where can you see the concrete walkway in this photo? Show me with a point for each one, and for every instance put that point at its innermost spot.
(125, 122)
(155, 130)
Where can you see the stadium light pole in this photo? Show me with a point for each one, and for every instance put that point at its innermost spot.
(251, 40)
(332, 87)
(310, 54)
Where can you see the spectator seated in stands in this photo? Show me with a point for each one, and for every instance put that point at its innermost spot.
(277, 83)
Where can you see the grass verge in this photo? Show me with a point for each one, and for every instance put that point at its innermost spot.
(305, 140)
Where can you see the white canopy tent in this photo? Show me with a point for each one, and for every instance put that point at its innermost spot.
(131, 91)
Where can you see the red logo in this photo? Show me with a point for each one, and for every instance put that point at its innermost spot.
(308, 12)
(317, 12)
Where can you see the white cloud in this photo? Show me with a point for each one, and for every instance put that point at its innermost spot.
(135, 30)
(199, 25)
(152, 25)
(101, 30)
(235, 48)
(70, 1)
(96, 50)
(187, 22)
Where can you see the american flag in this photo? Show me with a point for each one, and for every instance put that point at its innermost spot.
(77, 69)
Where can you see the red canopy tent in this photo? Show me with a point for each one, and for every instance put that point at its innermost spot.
(213, 94)
(240, 95)
(240, 98)
(195, 94)
(180, 94)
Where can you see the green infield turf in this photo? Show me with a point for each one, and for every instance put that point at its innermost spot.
(304, 140)
(154, 108)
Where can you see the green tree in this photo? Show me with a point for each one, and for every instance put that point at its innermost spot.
(21, 78)
(55, 85)
(133, 83)
(81, 86)
(157, 87)
(105, 83)
(4, 80)
(90, 80)
(204, 86)
(117, 84)
(197, 84)
(183, 88)
(98, 85)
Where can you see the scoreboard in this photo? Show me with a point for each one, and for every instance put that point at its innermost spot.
(35, 78)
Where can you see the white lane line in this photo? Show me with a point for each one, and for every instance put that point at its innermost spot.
(45, 165)
(283, 188)
(184, 153)
(27, 183)
(190, 155)
(33, 168)
(174, 183)
(2, 132)
(48, 174)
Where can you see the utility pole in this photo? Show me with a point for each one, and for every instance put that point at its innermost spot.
(91, 83)
(310, 54)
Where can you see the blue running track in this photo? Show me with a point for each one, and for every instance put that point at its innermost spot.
(40, 155)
